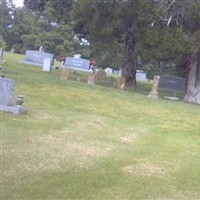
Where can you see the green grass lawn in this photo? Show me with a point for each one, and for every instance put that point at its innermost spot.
(80, 141)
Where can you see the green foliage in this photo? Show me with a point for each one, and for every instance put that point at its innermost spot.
(35, 5)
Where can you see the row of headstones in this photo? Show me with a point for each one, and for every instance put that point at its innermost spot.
(93, 78)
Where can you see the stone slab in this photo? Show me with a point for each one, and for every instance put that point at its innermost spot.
(47, 65)
(37, 57)
(174, 83)
(14, 109)
(77, 63)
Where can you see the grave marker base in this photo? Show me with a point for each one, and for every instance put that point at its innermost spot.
(14, 109)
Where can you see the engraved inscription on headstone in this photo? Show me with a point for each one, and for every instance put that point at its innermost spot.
(7, 91)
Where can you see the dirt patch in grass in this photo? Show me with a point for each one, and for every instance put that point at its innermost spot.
(133, 135)
(44, 116)
(51, 152)
(144, 168)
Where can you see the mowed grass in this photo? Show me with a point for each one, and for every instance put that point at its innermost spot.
(92, 142)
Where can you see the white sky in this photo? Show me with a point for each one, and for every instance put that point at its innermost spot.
(18, 3)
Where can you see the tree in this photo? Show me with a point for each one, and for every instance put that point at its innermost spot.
(184, 17)
(112, 26)
(6, 11)
(35, 5)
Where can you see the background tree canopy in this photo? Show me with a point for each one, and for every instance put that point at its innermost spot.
(165, 35)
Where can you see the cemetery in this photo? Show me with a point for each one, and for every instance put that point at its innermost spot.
(79, 134)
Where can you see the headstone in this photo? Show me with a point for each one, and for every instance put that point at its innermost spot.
(37, 57)
(12, 51)
(91, 79)
(47, 64)
(154, 90)
(1, 53)
(7, 90)
(121, 83)
(77, 63)
(41, 48)
(65, 74)
(172, 83)
(100, 76)
(141, 76)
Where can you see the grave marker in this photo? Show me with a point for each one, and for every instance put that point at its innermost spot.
(37, 57)
(100, 76)
(77, 63)
(65, 74)
(47, 64)
(121, 83)
(1, 53)
(154, 90)
(91, 79)
(7, 90)
(174, 83)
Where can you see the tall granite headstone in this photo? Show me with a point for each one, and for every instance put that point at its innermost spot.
(1, 53)
(121, 83)
(154, 90)
(7, 92)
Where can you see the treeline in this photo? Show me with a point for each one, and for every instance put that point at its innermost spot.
(161, 36)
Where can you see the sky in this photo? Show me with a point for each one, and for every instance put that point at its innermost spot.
(18, 3)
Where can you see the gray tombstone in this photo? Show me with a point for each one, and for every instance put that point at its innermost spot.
(77, 63)
(37, 57)
(7, 88)
(1, 53)
(7, 92)
(172, 83)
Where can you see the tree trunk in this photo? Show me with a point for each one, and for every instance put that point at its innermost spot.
(193, 80)
(129, 70)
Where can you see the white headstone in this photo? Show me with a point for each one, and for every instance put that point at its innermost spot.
(47, 64)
